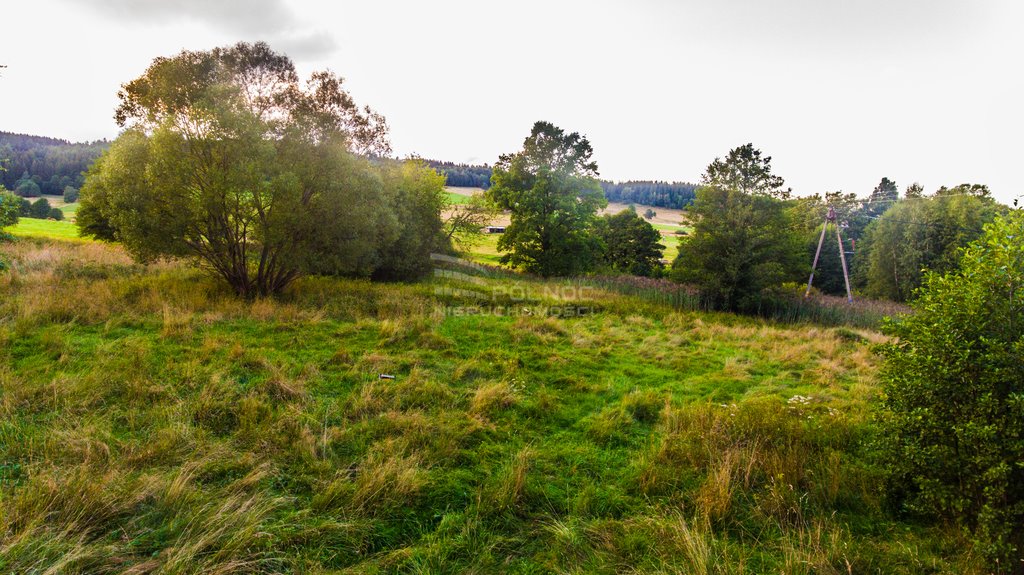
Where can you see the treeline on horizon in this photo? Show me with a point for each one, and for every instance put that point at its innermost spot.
(54, 164)
(49, 163)
(675, 195)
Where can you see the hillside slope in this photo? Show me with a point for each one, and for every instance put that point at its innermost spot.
(150, 422)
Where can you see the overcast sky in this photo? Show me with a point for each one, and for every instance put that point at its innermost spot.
(839, 93)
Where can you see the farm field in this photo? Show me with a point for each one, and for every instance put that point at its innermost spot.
(36, 228)
(146, 412)
(667, 221)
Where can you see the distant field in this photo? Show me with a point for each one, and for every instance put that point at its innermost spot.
(456, 198)
(31, 227)
(667, 221)
(665, 218)
(465, 192)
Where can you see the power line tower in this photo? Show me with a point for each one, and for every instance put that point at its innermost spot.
(830, 219)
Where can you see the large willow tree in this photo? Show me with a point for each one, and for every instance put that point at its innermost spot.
(229, 159)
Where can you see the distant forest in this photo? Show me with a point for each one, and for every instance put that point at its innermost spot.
(660, 194)
(463, 175)
(676, 195)
(57, 164)
(50, 163)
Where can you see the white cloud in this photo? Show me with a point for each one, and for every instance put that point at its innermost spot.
(240, 16)
(270, 20)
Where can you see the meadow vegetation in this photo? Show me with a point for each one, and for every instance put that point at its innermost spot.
(221, 388)
(152, 421)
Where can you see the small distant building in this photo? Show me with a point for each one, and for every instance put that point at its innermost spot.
(494, 229)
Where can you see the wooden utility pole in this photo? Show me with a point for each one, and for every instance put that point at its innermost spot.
(830, 218)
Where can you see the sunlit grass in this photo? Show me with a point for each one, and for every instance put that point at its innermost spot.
(152, 422)
(37, 228)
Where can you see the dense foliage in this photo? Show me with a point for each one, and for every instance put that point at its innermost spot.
(41, 209)
(551, 189)
(50, 164)
(10, 208)
(416, 199)
(916, 234)
(676, 195)
(742, 244)
(630, 244)
(954, 396)
(463, 175)
(227, 159)
(746, 170)
(739, 250)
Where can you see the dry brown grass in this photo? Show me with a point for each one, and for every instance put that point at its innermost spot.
(490, 398)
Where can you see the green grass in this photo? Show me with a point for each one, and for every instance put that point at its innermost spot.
(486, 251)
(36, 228)
(671, 243)
(151, 422)
(69, 209)
(456, 198)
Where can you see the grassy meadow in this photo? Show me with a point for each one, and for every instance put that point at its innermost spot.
(150, 422)
(52, 229)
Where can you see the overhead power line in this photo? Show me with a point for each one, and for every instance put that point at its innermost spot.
(929, 224)
(921, 198)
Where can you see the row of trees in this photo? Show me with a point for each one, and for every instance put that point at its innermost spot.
(676, 195)
(921, 233)
(35, 165)
(750, 236)
(17, 207)
(226, 157)
(463, 175)
(952, 416)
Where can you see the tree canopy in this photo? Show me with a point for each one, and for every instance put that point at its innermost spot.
(742, 242)
(917, 234)
(746, 170)
(551, 189)
(630, 244)
(227, 158)
(674, 195)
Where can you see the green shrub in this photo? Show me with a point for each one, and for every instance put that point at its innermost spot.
(954, 397)
(10, 208)
(28, 189)
(630, 243)
(41, 208)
